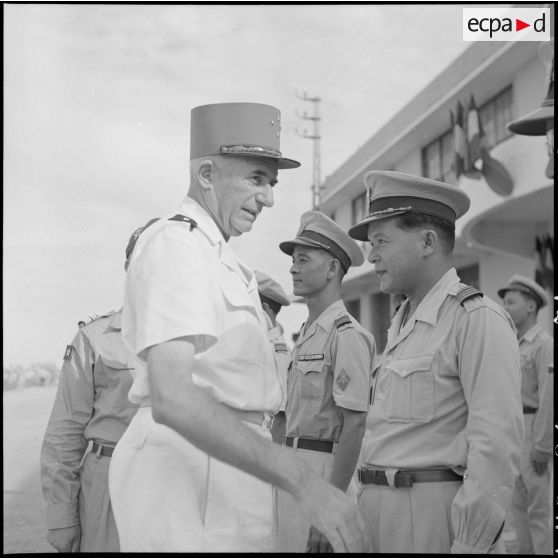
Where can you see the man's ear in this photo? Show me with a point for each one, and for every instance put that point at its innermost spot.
(205, 173)
(430, 241)
(532, 305)
(334, 267)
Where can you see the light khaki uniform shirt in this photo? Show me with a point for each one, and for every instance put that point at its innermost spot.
(537, 354)
(282, 359)
(448, 394)
(331, 368)
(91, 404)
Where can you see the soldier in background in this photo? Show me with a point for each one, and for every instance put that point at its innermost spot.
(530, 512)
(273, 298)
(89, 415)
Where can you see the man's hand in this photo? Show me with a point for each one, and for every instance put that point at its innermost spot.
(332, 513)
(317, 542)
(65, 539)
(539, 461)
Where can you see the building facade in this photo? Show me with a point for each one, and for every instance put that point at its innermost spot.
(498, 236)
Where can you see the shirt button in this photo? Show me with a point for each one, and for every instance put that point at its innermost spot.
(367, 433)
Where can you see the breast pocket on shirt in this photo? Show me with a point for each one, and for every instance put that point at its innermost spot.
(117, 371)
(312, 375)
(411, 395)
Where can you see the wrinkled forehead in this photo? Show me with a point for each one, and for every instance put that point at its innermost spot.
(249, 164)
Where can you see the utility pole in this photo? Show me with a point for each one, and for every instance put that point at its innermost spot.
(316, 164)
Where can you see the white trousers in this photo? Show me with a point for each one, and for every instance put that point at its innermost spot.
(168, 496)
(530, 510)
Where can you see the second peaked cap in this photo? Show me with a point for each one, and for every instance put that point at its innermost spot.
(269, 288)
(240, 129)
(392, 193)
(317, 230)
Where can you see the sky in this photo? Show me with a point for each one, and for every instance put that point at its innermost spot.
(97, 102)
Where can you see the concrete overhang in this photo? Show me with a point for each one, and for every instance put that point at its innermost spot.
(512, 226)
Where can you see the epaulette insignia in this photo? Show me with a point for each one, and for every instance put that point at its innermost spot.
(68, 352)
(281, 348)
(342, 321)
(184, 219)
(465, 293)
(93, 317)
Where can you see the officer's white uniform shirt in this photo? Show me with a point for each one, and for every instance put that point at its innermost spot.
(189, 283)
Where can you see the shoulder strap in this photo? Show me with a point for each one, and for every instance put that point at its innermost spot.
(342, 321)
(184, 219)
(466, 292)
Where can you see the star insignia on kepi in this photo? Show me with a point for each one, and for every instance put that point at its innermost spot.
(343, 379)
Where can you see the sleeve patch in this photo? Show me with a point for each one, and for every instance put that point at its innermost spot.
(343, 379)
(342, 321)
(68, 352)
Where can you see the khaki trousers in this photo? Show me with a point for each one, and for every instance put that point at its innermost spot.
(290, 527)
(530, 510)
(98, 528)
(410, 520)
(168, 496)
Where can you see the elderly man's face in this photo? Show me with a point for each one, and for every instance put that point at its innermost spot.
(242, 187)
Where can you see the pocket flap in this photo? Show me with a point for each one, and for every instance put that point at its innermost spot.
(112, 362)
(406, 366)
(306, 366)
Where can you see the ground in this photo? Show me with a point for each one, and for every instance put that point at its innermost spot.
(26, 413)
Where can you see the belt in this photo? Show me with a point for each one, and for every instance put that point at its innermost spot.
(529, 410)
(255, 417)
(100, 449)
(307, 443)
(405, 478)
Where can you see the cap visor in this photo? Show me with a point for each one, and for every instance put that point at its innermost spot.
(360, 230)
(282, 162)
(288, 246)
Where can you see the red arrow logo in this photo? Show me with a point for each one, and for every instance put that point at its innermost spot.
(519, 25)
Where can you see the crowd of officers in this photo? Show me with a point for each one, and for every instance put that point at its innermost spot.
(183, 421)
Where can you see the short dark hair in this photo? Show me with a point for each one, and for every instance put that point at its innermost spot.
(275, 306)
(415, 220)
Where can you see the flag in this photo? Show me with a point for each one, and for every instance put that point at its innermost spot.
(459, 141)
(476, 141)
(544, 271)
